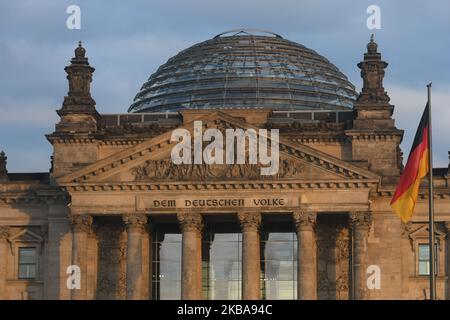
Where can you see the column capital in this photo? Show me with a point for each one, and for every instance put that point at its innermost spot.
(4, 232)
(304, 218)
(249, 220)
(190, 221)
(134, 221)
(81, 222)
(360, 219)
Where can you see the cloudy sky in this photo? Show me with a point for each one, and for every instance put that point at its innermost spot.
(127, 40)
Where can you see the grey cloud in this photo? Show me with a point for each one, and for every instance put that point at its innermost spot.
(409, 105)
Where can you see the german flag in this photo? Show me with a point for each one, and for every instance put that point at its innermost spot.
(416, 168)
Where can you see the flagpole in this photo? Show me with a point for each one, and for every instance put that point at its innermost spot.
(431, 203)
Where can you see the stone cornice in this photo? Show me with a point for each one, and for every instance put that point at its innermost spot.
(314, 139)
(34, 194)
(72, 138)
(357, 134)
(439, 193)
(30, 199)
(121, 142)
(127, 141)
(143, 186)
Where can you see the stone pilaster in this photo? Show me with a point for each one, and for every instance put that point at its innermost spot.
(251, 264)
(81, 225)
(135, 227)
(191, 257)
(375, 139)
(360, 223)
(406, 251)
(307, 254)
(4, 234)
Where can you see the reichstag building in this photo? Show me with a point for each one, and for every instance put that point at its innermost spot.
(116, 218)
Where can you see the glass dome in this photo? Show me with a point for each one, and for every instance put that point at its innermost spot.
(245, 70)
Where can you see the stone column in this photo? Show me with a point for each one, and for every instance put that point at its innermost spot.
(251, 261)
(4, 234)
(135, 227)
(306, 254)
(447, 258)
(360, 223)
(191, 256)
(81, 227)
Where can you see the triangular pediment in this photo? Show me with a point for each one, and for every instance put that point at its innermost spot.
(150, 161)
(26, 236)
(424, 232)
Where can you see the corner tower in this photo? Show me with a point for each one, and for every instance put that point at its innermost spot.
(78, 128)
(78, 112)
(375, 139)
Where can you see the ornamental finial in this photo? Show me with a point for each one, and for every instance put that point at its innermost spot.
(3, 170)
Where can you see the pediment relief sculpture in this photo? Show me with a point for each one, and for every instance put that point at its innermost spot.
(166, 170)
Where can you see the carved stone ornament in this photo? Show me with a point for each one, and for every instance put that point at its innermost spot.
(190, 221)
(250, 221)
(372, 73)
(447, 227)
(333, 260)
(81, 222)
(166, 170)
(4, 232)
(406, 228)
(134, 221)
(361, 219)
(111, 281)
(304, 219)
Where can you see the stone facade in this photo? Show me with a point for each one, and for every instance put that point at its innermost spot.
(112, 180)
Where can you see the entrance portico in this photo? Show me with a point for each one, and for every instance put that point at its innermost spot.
(238, 207)
(143, 187)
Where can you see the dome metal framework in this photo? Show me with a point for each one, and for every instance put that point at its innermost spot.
(246, 71)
